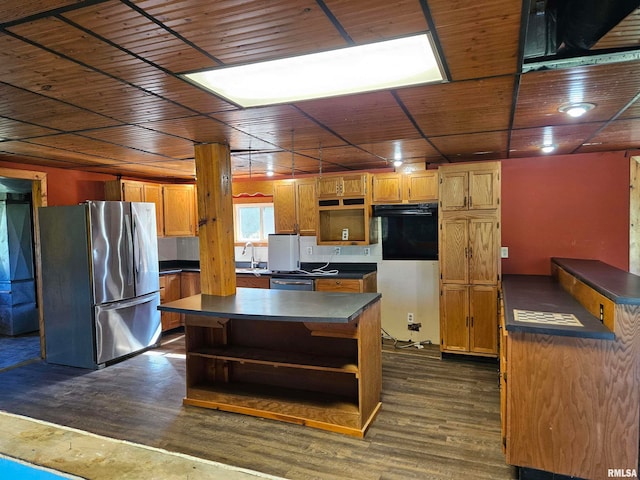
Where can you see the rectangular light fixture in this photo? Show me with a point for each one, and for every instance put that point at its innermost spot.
(363, 68)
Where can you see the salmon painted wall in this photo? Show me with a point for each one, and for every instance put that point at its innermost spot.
(574, 206)
(67, 187)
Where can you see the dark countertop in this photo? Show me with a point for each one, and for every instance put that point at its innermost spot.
(344, 270)
(544, 294)
(276, 305)
(617, 285)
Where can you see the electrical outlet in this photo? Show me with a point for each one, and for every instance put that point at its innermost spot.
(345, 234)
(504, 252)
(336, 251)
(309, 250)
(410, 317)
(414, 327)
(367, 251)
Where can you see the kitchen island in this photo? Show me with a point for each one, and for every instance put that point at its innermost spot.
(312, 358)
(570, 377)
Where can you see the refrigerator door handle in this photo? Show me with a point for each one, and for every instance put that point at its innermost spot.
(129, 247)
(136, 247)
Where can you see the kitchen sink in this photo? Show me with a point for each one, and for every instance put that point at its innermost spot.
(255, 271)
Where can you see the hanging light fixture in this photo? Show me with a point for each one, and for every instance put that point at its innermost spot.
(397, 159)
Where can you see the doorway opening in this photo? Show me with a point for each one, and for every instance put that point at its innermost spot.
(21, 332)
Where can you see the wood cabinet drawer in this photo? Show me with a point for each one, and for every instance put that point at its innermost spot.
(338, 285)
(251, 281)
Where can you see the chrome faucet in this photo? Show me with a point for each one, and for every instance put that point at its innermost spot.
(254, 264)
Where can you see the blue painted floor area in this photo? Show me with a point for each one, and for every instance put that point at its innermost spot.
(14, 350)
(11, 469)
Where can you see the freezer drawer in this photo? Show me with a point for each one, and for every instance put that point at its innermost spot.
(126, 327)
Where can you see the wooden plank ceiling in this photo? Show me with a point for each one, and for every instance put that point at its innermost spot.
(94, 85)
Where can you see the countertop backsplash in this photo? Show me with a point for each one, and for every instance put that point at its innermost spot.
(188, 248)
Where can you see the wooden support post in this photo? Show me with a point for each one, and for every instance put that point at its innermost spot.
(215, 219)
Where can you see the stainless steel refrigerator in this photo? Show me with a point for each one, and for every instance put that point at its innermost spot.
(100, 283)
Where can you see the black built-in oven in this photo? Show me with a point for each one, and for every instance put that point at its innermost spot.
(409, 231)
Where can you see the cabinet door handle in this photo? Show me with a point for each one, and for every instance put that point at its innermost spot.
(470, 252)
(470, 201)
(471, 322)
(467, 322)
(464, 204)
(466, 252)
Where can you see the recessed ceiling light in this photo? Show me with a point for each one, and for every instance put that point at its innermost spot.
(397, 163)
(269, 173)
(547, 148)
(363, 68)
(576, 109)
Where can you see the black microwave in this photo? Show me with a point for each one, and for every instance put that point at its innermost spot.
(409, 231)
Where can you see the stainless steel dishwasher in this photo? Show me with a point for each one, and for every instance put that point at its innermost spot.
(292, 283)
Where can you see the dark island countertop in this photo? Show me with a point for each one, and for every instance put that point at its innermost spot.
(541, 293)
(276, 305)
(617, 285)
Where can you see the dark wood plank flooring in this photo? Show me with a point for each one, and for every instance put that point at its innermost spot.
(440, 418)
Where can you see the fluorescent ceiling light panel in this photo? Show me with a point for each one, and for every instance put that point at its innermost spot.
(364, 68)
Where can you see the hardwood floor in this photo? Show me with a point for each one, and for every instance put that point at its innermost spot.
(439, 420)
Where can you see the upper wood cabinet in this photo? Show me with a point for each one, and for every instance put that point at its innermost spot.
(153, 193)
(294, 205)
(471, 248)
(421, 186)
(179, 210)
(344, 210)
(469, 187)
(414, 187)
(332, 186)
(135, 191)
(387, 188)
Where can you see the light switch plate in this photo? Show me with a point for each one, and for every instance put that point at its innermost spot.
(504, 252)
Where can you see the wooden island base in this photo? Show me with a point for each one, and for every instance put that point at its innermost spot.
(321, 374)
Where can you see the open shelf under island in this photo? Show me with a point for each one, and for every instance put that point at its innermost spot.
(311, 358)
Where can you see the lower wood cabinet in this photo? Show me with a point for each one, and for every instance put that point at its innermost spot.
(189, 285)
(469, 319)
(251, 281)
(367, 284)
(170, 291)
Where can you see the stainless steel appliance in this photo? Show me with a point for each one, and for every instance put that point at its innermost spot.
(292, 283)
(284, 252)
(100, 281)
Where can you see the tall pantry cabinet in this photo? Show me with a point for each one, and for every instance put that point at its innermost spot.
(469, 245)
